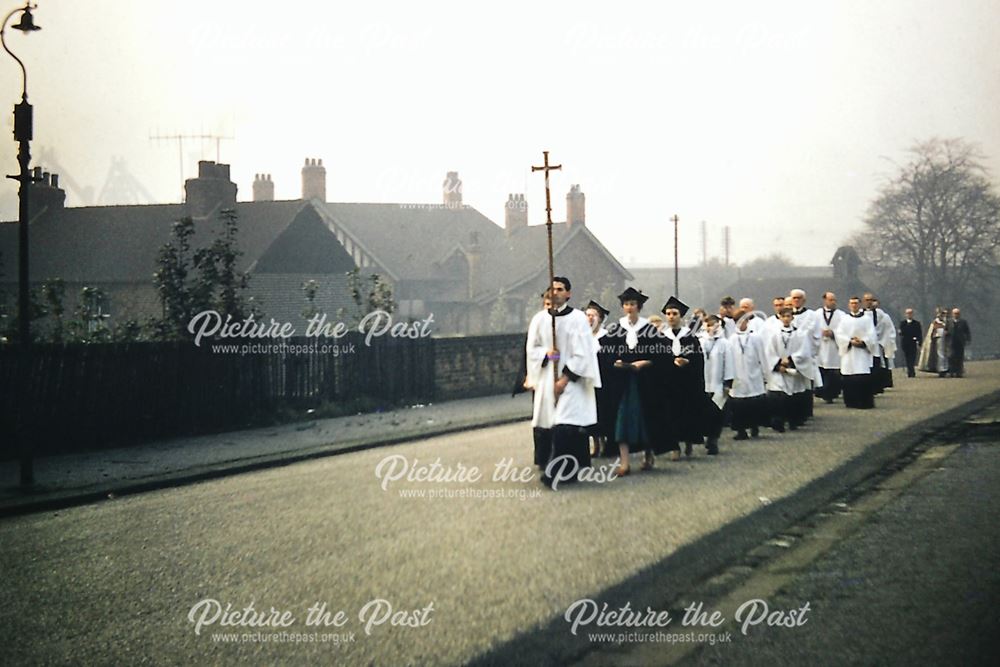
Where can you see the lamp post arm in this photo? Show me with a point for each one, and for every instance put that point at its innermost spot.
(3, 40)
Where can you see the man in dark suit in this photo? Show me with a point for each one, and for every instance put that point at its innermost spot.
(910, 335)
(959, 335)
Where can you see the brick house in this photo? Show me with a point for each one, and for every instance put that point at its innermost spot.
(474, 275)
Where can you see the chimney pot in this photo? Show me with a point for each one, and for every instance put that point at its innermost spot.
(452, 187)
(575, 206)
(211, 192)
(44, 193)
(314, 180)
(515, 213)
(263, 188)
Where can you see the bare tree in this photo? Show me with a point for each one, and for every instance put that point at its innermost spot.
(775, 264)
(933, 232)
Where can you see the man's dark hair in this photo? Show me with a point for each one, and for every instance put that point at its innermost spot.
(727, 301)
(564, 281)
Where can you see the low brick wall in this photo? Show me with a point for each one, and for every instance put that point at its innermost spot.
(477, 366)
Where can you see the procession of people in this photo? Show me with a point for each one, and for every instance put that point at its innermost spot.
(615, 385)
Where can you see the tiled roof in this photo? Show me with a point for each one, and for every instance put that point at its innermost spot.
(121, 243)
(412, 242)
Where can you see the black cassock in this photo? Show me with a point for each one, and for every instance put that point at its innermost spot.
(608, 395)
(683, 392)
(614, 382)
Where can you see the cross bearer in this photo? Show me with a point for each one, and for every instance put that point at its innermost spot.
(564, 399)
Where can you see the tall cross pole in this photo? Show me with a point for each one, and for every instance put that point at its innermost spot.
(675, 220)
(546, 167)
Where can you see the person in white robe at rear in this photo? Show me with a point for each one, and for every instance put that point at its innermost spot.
(789, 355)
(564, 401)
(885, 334)
(748, 395)
(806, 321)
(773, 323)
(747, 310)
(829, 318)
(719, 373)
(858, 344)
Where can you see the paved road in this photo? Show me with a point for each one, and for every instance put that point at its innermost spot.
(918, 584)
(115, 582)
(68, 479)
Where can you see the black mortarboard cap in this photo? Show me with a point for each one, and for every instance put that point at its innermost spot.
(674, 302)
(632, 294)
(598, 307)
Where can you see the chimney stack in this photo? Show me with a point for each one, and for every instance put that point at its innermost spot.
(211, 192)
(575, 207)
(515, 213)
(44, 192)
(452, 187)
(314, 180)
(263, 187)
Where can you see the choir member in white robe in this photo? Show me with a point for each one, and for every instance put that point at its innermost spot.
(806, 321)
(828, 356)
(521, 379)
(564, 400)
(728, 314)
(885, 332)
(773, 323)
(791, 369)
(748, 311)
(858, 344)
(542, 436)
(748, 395)
(719, 373)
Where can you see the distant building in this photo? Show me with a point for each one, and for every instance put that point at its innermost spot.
(844, 280)
(697, 284)
(447, 259)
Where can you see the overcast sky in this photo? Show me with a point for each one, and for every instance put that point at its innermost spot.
(776, 119)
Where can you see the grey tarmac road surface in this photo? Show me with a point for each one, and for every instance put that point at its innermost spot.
(114, 583)
(917, 584)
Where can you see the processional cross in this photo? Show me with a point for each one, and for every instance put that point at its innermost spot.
(675, 220)
(546, 167)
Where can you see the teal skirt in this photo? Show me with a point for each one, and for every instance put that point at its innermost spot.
(630, 425)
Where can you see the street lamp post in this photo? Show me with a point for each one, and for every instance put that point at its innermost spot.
(22, 134)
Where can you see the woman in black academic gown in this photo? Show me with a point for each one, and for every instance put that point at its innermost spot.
(632, 385)
(682, 381)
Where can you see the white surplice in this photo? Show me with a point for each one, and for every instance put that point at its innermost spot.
(797, 346)
(720, 366)
(806, 321)
(856, 360)
(577, 351)
(885, 332)
(829, 354)
(749, 365)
